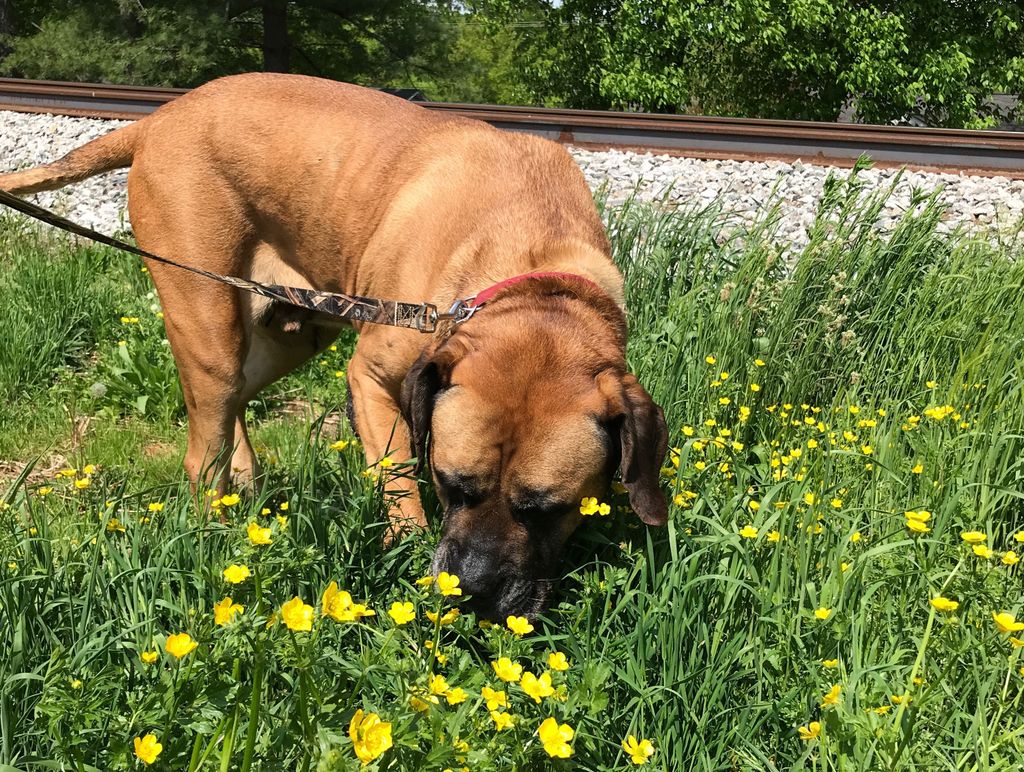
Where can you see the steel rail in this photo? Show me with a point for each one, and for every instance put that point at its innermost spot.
(951, 150)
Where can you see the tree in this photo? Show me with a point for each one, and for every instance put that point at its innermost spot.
(187, 42)
(936, 61)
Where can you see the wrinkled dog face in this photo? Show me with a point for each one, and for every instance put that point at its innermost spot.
(515, 445)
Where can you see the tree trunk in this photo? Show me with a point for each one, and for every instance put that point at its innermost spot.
(6, 24)
(276, 48)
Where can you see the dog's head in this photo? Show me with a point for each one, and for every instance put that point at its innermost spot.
(529, 409)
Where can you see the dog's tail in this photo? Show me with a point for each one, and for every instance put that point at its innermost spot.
(111, 151)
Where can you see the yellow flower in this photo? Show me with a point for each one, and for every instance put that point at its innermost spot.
(774, 536)
(337, 604)
(456, 696)
(603, 510)
(724, 401)
(495, 699)
(236, 574)
(507, 670)
(438, 684)
(257, 535)
(931, 384)
(535, 687)
(822, 613)
(748, 532)
(225, 610)
(230, 500)
(917, 526)
(149, 657)
(944, 604)
(283, 506)
(588, 506)
(812, 443)
(555, 738)
(983, 551)
(810, 731)
(519, 625)
(265, 511)
(881, 710)
(810, 499)
(180, 645)
(282, 521)
(755, 387)
(1006, 623)
(339, 445)
(501, 721)
(1019, 536)
(155, 506)
(920, 515)
(422, 704)
(83, 483)
(639, 751)
(867, 450)
(425, 581)
(710, 359)
(297, 615)
(1016, 642)
(147, 748)
(759, 363)
(831, 699)
(386, 463)
(973, 537)
(446, 619)
(916, 469)
(1010, 558)
(557, 661)
(370, 736)
(448, 584)
(402, 612)
(830, 662)
(115, 526)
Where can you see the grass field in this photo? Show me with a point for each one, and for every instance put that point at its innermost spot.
(847, 481)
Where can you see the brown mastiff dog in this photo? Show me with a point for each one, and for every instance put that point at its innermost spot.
(311, 183)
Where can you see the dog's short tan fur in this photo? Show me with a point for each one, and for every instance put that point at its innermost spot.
(299, 181)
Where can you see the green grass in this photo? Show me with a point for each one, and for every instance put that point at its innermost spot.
(694, 636)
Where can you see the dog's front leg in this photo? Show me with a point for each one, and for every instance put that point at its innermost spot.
(385, 439)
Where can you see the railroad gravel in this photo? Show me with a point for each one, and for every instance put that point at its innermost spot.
(743, 188)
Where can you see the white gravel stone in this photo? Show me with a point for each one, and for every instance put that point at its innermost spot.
(742, 187)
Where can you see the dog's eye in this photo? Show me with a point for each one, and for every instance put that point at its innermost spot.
(538, 510)
(459, 490)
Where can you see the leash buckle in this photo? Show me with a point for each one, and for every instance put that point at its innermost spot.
(426, 318)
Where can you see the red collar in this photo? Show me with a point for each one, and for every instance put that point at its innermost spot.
(484, 295)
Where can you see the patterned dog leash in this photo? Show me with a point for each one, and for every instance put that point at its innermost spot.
(423, 317)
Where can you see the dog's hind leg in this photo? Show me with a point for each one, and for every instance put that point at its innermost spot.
(203, 318)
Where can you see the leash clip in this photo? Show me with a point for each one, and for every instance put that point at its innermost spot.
(461, 310)
(427, 318)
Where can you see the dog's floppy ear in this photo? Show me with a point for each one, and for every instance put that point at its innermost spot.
(427, 376)
(419, 388)
(644, 439)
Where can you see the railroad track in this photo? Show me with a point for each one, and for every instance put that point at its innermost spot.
(957, 150)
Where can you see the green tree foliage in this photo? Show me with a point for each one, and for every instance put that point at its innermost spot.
(936, 61)
(408, 43)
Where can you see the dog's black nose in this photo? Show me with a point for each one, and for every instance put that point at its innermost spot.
(478, 569)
